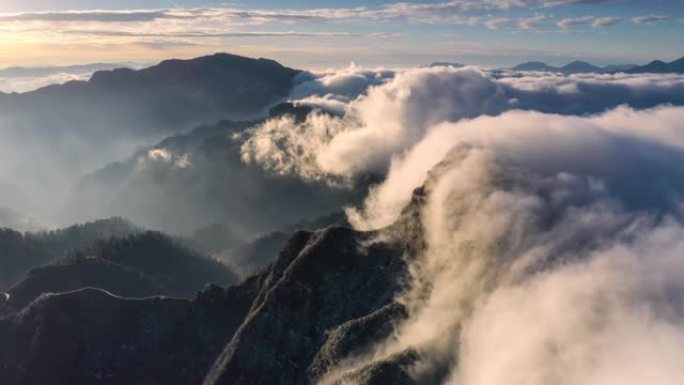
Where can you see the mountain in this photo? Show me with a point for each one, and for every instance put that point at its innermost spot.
(328, 295)
(657, 66)
(208, 88)
(192, 181)
(81, 126)
(535, 66)
(575, 67)
(138, 265)
(20, 252)
(445, 64)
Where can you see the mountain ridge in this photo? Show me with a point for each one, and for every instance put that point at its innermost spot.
(574, 67)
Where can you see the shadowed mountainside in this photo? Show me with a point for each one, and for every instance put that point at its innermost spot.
(20, 252)
(138, 265)
(576, 67)
(327, 294)
(657, 66)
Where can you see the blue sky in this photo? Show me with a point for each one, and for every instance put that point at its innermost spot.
(330, 33)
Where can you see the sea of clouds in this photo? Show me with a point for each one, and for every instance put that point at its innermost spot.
(552, 215)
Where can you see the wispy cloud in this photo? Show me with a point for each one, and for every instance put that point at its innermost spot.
(494, 24)
(568, 23)
(228, 34)
(649, 19)
(555, 3)
(606, 21)
(529, 23)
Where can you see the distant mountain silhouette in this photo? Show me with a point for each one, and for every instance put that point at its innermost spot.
(657, 66)
(575, 67)
(445, 64)
(580, 67)
(534, 66)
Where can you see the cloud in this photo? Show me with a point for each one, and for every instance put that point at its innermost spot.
(606, 21)
(163, 157)
(567, 24)
(390, 112)
(649, 19)
(30, 83)
(582, 94)
(633, 339)
(530, 23)
(571, 224)
(91, 16)
(555, 3)
(219, 33)
(387, 118)
(494, 24)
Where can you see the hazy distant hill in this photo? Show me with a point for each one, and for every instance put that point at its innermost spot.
(445, 64)
(657, 66)
(570, 68)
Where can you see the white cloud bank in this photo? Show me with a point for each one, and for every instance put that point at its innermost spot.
(553, 235)
(30, 83)
(377, 115)
(553, 249)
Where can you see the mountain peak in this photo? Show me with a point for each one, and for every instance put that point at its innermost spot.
(533, 66)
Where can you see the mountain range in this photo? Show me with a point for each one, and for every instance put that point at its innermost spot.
(268, 283)
(575, 67)
(657, 66)
(81, 126)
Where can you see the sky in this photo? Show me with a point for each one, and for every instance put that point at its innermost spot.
(333, 33)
